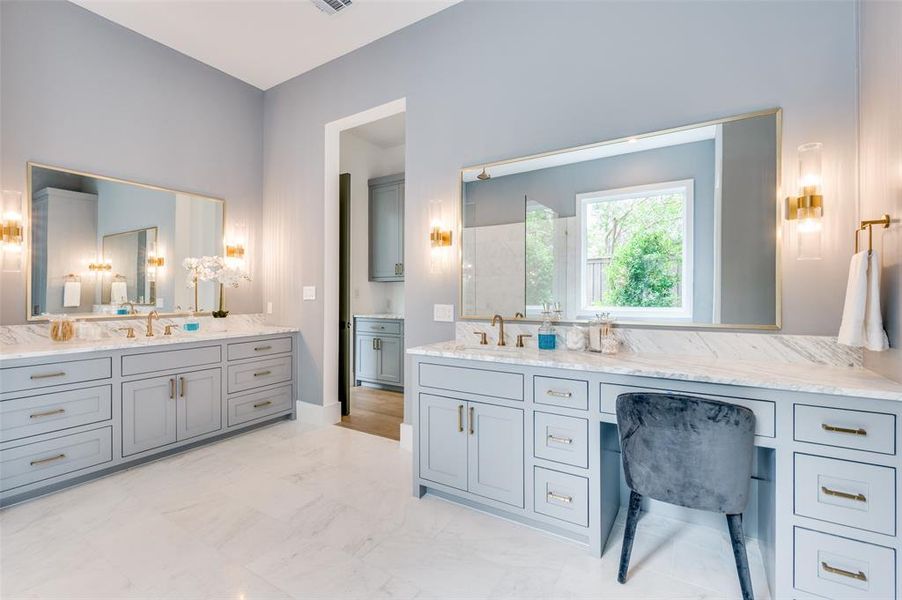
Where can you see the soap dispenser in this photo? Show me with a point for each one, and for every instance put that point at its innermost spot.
(547, 332)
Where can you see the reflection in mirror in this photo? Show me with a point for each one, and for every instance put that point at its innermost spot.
(102, 247)
(677, 228)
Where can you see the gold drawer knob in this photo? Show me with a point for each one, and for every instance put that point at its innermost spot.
(56, 411)
(836, 429)
(42, 461)
(846, 495)
(560, 497)
(837, 571)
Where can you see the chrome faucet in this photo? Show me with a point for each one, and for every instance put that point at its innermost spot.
(150, 317)
(500, 321)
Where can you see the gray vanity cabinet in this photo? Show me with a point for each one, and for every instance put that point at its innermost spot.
(379, 352)
(163, 410)
(386, 231)
(148, 414)
(472, 447)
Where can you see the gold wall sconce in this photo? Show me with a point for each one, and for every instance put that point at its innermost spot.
(100, 267)
(438, 237)
(234, 251)
(156, 261)
(808, 207)
(12, 231)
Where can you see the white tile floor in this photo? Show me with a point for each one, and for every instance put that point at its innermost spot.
(293, 512)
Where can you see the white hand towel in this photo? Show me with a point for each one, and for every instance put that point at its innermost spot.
(118, 292)
(71, 294)
(862, 323)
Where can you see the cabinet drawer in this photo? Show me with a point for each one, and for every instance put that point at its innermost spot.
(258, 373)
(170, 360)
(42, 460)
(24, 417)
(846, 492)
(259, 348)
(855, 429)
(381, 327)
(473, 381)
(840, 568)
(562, 496)
(569, 393)
(765, 414)
(34, 377)
(260, 404)
(561, 439)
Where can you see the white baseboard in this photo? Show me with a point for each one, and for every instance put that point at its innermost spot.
(407, 437)
(316, 414)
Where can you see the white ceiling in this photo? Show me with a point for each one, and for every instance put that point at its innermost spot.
(385, 133)
(263, 42)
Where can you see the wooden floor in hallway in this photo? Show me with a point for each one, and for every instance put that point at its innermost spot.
(378, 412)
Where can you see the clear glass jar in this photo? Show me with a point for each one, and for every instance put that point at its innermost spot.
(62, 328)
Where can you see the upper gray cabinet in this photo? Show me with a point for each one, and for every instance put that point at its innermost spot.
(387, 228)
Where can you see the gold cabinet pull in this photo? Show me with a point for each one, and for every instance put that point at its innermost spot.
(262, 373)
(55, 411)
(846, 495)
(171, 388)
(48, 375)
(42, 461)
(460, 418)
(183, 386)
(835, 429)
(262, 404)
(559, 440)
(262, 348)
(560, 498)
(471, 419)
(859, 575)
(557, 394)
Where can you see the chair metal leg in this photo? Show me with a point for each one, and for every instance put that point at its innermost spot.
(737, 539)
(629, 534)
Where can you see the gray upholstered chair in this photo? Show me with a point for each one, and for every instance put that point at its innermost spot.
(690, 452)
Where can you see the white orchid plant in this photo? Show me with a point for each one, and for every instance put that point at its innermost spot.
(213, 268)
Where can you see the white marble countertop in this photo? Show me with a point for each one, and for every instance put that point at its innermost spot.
(45, 347)
(841, 381)
(390, 316)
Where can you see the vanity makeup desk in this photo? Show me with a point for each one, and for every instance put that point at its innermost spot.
(531, 436)
(78, 410)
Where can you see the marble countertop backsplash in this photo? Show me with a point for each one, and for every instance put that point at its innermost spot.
(758, 372)
(33, 340)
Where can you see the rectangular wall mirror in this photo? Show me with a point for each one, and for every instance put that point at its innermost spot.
(102, 247)
(677, 227)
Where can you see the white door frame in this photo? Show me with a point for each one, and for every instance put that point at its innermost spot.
(331, 245)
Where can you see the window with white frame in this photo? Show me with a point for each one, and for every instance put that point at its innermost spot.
(636, 251)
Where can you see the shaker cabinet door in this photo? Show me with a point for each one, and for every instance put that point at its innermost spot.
(386, 230)
(496, 452)
(443, 440)
(199, 403)
(366, 357)
(391, 360)
(148, 414)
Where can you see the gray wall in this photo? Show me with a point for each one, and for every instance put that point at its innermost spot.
(881, 157)
(486, 81)
(81, 92)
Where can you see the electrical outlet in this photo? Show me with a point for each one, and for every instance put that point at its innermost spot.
(269, 308)
(443, 313)
(309, 292)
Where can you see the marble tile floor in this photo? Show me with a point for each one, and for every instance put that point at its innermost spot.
(290, 511)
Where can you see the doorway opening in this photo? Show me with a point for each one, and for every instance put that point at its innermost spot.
(371, 275)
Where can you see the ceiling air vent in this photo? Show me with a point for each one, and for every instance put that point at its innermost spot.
(330, 7)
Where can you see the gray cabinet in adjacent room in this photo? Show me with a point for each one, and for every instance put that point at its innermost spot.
(379, 352)
(386, 231)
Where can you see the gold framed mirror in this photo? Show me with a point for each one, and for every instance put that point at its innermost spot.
(101, 247)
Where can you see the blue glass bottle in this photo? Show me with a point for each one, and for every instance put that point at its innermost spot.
(547, 336)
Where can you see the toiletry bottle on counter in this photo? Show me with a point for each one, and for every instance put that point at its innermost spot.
(191, 324)
(547, 335)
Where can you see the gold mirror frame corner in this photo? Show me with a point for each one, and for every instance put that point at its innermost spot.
(777, 112)
(29, 167)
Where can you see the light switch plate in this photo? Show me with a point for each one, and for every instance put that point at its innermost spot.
(269, 308)
(161, 303)
(309, 292)
(443, 313)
